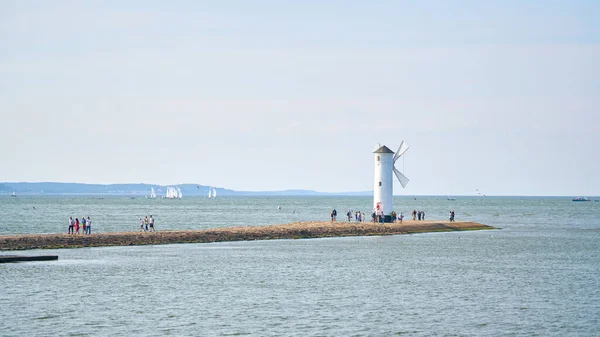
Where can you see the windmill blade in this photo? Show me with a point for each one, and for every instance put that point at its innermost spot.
(401, 149)
(401, 177)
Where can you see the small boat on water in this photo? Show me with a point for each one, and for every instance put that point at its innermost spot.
(173, 193)
(581, 199)
(212, 193)
(13, 194)
(449, 198)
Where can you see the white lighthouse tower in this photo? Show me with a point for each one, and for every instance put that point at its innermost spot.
(383, 189)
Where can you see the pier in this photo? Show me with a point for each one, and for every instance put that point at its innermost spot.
(297, 230)
(24, 258)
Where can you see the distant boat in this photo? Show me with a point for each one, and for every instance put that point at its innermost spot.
(581, 199)
(172, 193)
(131, 198)
(152, 193)
(13, 194)
(451, 198)
(212, 193)
(179, 194)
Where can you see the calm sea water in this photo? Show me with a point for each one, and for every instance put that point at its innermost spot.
(539, 275)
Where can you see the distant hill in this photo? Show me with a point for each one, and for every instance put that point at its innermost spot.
(142, 189)
(110, 189)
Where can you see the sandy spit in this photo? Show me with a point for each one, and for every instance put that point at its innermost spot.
(296, 230)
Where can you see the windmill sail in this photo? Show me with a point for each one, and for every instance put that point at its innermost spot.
(401, 177)
(401, 149)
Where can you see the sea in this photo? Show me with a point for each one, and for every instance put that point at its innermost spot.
(537, 274)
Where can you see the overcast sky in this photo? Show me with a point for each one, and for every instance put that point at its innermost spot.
(499, 96)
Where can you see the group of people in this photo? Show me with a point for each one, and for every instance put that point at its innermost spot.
(358, 216)
(377, 216)
(418, 215)
(145, 222)
(74, 225)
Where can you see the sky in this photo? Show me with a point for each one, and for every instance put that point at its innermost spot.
(493, 97)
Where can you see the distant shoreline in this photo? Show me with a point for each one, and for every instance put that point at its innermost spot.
(297, 230)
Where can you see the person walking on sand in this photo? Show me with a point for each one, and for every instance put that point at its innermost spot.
(146, 222)
(333, 215)
(71, 225)
(400, 217)
(151, 221)
(76, 225)
(89, 226)
(414, 214)
(141, 225)
(423, 215)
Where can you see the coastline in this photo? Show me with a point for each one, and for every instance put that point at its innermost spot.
(296, 230)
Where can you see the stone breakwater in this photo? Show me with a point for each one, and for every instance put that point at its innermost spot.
(297, 230)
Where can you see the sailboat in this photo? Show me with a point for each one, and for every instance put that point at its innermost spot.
(172, 193)
(152, 193)
(13, 194)
(212, 193)
(179, 194)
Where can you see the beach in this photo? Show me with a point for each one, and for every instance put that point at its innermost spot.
(296, 230)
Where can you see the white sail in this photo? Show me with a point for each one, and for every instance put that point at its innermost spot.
(152, 193)
(179, 194)
(214, 193)
(209, 192)
(171, 193)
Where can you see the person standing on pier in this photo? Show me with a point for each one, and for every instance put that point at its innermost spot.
(146, 222)
(89, 226)
(141, 225)
(71, 225)
(84, 224)
(333, 215)
(151, 221)
(76, 225)
(414, 214)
